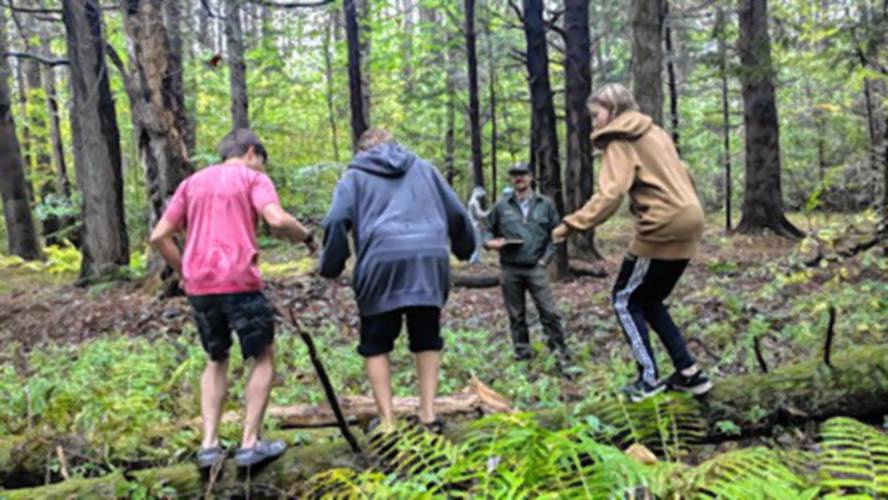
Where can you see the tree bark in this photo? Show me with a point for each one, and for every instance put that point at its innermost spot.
(763, 196)
(237, 67)
(491, 89)
(474, 107)
(670, 71)
(408, 29)
(360, 115)
(647, 57)
(20, 232)
(450, 131)
(328, 77)
(63, 184)
(97, 159)
(157, 102)
(172, 14)
(578, 84)
(544, 137)
(721, 29)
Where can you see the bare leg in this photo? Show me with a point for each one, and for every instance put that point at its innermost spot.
(427, 364)
(379, 373)
(257, 391)
(213, 388)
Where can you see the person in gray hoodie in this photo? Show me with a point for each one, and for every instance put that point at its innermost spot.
(404, 220)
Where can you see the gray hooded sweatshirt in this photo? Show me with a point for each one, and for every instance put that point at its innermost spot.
(404, 219)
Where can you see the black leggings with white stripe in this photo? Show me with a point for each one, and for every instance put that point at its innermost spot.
(642, 286)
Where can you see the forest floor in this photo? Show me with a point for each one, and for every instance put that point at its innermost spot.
(68, 354)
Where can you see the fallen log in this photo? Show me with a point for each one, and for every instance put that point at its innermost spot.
(856, 386)
(475, 400)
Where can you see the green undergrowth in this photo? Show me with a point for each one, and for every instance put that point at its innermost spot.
(513, 456)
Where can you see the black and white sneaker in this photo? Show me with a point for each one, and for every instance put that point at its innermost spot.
(697, 384)
(640, 390)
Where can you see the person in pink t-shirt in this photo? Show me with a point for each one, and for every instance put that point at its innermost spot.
(218, 208)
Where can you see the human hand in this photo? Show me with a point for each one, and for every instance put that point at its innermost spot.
(560, 234)
(496, 244)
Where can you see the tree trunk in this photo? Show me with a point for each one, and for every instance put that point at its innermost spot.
(172, 14)
(578, 85)
(474, 107)
(63, 185)
(360, 116)
(20, 232)
(544, 137)
(647, 57)
(721, 28)
(97, 158)
(328, 77)
(450, 132)
(407, 27)
(670, 70)
(491, 89)
(763, 196)
(363, 7)
(157, 101)
(204, 36)
(237, 67)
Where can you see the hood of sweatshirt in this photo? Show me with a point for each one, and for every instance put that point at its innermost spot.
(628, 126)
(385, 160)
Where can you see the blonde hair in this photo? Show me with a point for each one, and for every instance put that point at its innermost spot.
(374, 137)
(613, 97)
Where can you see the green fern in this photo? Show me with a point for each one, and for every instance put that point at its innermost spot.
(854, 458)
(667, 423)
(750, 473)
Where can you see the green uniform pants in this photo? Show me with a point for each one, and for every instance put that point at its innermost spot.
(516, 281)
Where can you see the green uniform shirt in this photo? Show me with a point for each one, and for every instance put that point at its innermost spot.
(507, 220)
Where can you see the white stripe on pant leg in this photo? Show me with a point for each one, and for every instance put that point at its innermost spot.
(621, 305)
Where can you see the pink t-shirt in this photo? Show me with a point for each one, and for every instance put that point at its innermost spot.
(218, 208)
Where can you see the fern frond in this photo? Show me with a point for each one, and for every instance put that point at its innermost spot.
(750, 473)
(667, 423)
(854, 457)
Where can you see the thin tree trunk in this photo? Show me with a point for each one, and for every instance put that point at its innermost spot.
(360, 116)
(172, 14)
(27, 142)
(97, 157)
(763, 196)
(491, 82)
(237, 67)
(204, 36)
(647, 57)
(328, 77)
(578, 85)
(154, 85)
(670, 70)
(721, 24)
(407, 28)
(544, 137)
(21, 234)
(474, 107)
(364, 43)
(450, 132)
(63, 185)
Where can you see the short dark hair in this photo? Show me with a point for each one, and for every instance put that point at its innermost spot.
(237, 142)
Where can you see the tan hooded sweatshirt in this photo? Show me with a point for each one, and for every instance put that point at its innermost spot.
(640, 159)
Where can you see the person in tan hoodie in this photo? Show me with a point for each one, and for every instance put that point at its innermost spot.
(639, 159)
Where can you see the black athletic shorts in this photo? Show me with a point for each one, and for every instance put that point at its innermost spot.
(248, 313)
(378, 332)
